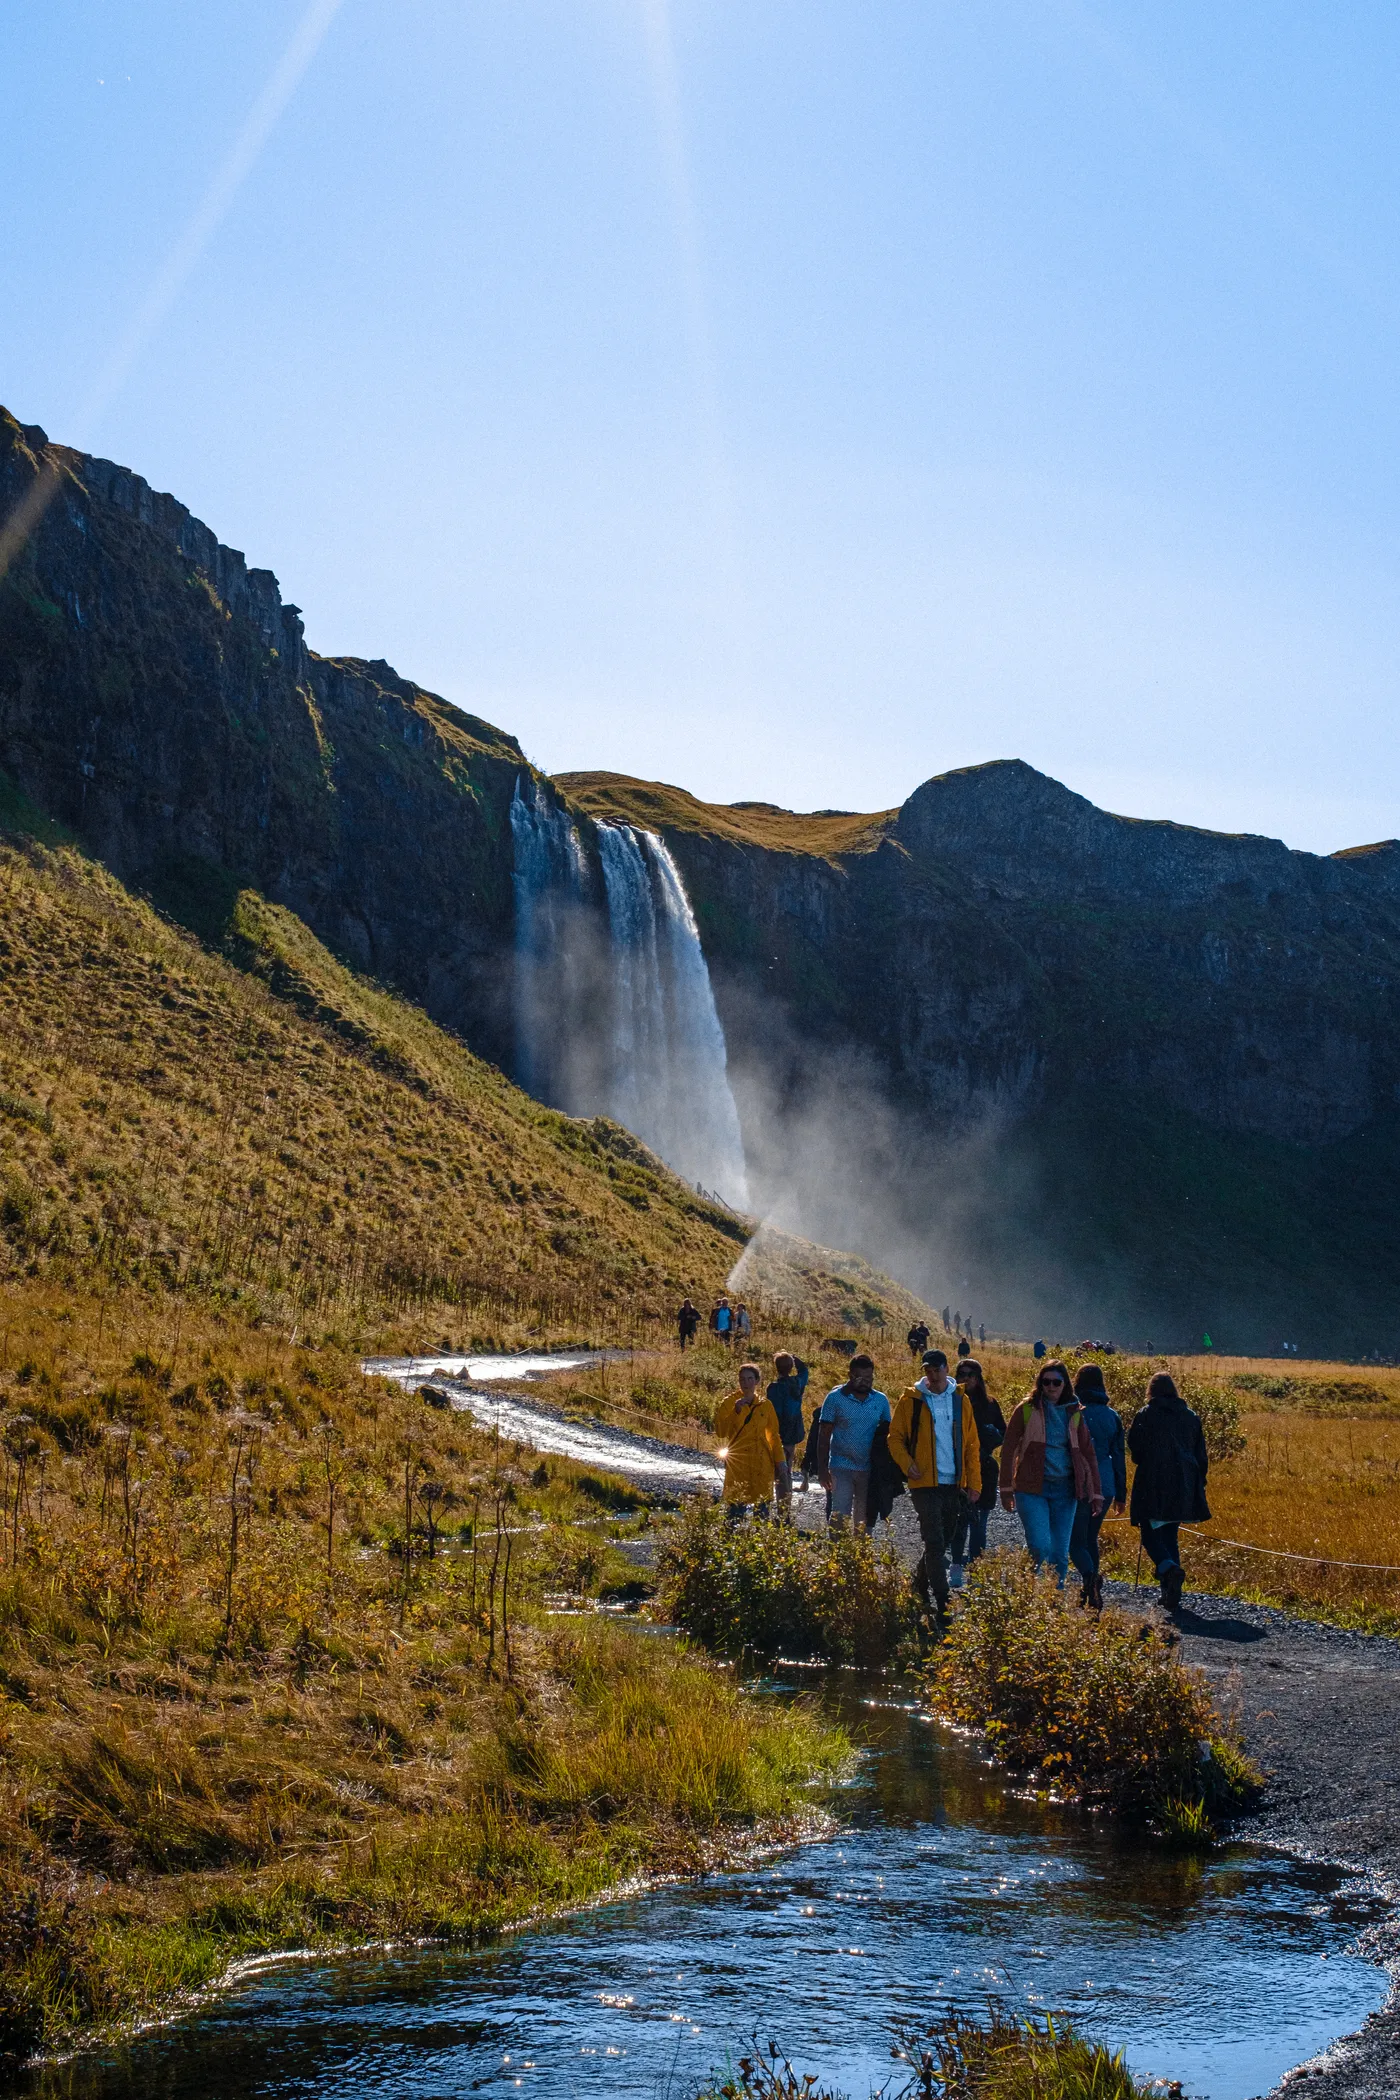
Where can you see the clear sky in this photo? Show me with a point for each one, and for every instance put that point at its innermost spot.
(787, 398)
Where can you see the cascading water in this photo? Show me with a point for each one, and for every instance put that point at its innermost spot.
(614, 1010)
(669, 1078)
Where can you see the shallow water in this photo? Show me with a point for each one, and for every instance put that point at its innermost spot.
(542, 1428)
(1221, 1972)
(418, 1370)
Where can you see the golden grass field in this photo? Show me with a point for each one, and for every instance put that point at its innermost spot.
(275, 1668)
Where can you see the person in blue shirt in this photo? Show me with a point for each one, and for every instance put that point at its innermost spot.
(1107, 1432)
(851, 1414)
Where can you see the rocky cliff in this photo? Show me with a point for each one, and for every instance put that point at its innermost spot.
(1069, 1069)
(158, 698)
(1083, 1068)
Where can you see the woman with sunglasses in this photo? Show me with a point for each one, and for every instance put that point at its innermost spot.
(1048, 1467)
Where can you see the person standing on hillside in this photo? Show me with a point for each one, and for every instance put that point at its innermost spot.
(850, 1415)
(970, 1538)
(687, 1322)
(917, 1338)
(1168, 1447)
(785, 1394)
(722, 1321)
(750, 1445)
(743, 1325)
(934, 1442)
(1107, 1433)
(1048, 1466)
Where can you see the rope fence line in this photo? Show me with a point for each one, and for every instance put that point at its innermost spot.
(1316, 1560)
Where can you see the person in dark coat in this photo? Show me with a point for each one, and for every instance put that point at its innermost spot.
(1168, 1447)
(687, 1322)
(1107, 1433)
(785, 1391)
(970, 1538)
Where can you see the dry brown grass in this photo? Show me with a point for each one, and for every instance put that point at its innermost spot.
(273, 1668)
(655, 806)
(261, 1125)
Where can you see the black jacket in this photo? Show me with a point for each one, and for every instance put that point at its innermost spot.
(991, 1434)
(1168, 1447)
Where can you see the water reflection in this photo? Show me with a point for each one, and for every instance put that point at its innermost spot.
(1221, 1971)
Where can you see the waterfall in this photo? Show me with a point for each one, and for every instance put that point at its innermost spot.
(668, 1070)
(614, 1010)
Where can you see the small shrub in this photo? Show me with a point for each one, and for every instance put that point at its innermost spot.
(1101, 1707)
(768, 1589)
(1183, 1823)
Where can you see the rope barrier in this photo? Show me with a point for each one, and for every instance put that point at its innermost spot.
(1317, 1560)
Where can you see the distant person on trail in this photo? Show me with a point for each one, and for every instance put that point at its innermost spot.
(964, 1349)
(688, 1322)
(850, 1415)
(1038, 1351)
(1168, 1447)
(917, 1338)
(750, 1445)
(981, 1336)
(785, 1394)
(947, 1319)
(1107, 1433)
(743, 1325)
(970, 1538)
(722, 1322)
(1048, 1466)
(934, 1442)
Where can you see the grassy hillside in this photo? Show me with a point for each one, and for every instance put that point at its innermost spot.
(247, 1121)
(655, 806)
(275, 1663)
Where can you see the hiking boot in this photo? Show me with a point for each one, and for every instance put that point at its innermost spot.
(1086, 1591)
(1095, 1599)
(1173, 1581)
(955, 1575)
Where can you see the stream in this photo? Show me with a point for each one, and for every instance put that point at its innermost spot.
(1222, 1971)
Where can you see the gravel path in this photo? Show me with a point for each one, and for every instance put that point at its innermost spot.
(1320, 1712)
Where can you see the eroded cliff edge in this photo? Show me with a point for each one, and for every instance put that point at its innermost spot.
(1077, 1071)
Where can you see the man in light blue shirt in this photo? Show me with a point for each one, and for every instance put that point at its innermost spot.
(851, 1414)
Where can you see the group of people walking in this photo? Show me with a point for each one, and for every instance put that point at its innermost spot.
(1057, 1463)
(727, 1323)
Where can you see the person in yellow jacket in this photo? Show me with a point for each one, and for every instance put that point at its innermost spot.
(750, 1443)
(933, 1440)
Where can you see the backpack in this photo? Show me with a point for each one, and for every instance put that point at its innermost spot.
(887, 1482)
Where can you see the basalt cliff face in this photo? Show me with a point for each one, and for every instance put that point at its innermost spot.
(1081, 1068)
(158, 698)
(1071, 1070)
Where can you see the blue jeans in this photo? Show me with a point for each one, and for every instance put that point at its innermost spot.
(1047, 1522)
(1084, 1541)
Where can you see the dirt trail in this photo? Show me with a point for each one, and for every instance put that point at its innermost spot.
(1319, 1710)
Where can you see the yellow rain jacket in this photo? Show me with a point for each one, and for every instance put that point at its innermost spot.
(919, 1464)
(750, 1430)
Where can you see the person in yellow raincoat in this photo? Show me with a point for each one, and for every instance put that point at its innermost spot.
(750, 1443)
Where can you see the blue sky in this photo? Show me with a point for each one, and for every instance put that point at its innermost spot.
(787, 399)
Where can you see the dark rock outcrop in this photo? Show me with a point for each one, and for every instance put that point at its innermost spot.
(1140, 1073)
(158, 698)
(1071, 1068)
